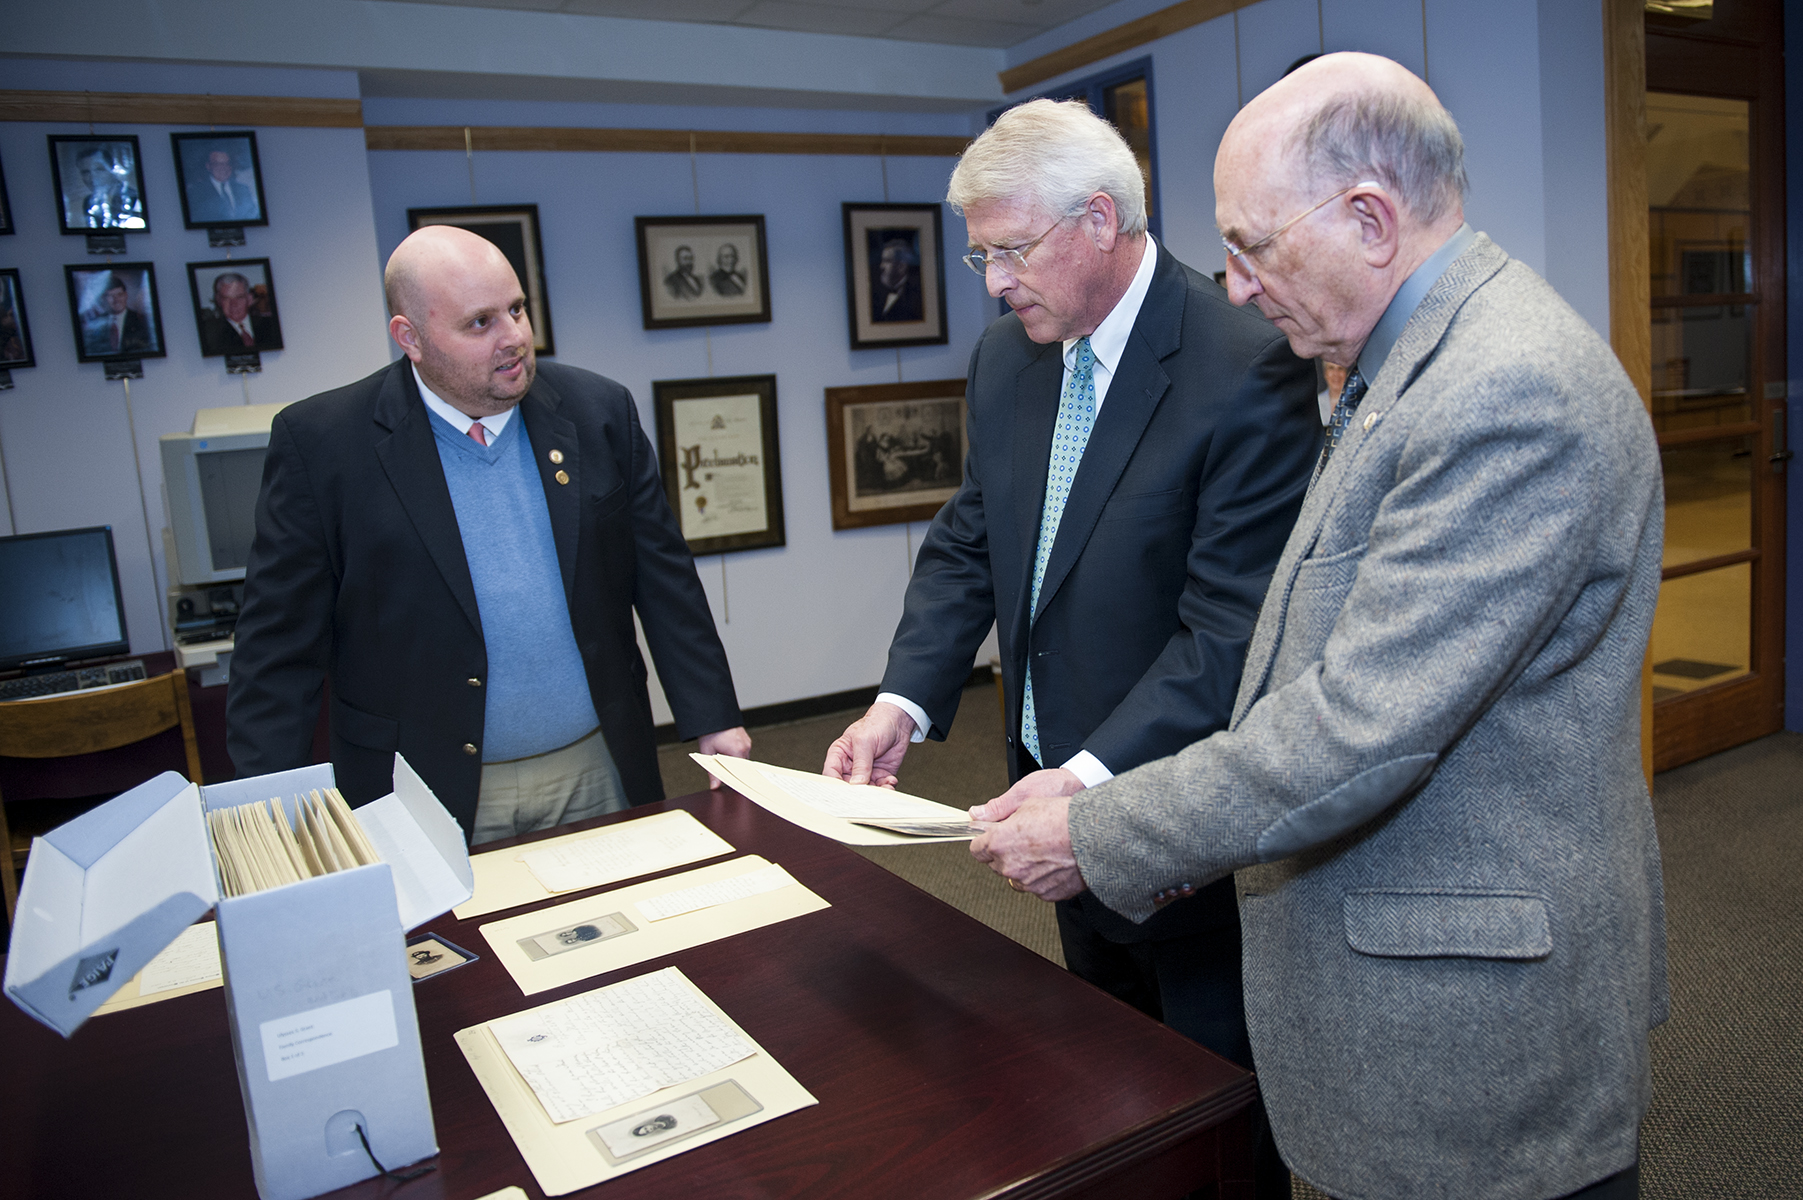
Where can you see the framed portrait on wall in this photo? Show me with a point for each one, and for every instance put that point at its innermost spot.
(99, 183)
(234, 306)
(717, 446)
(114, 310)
(221, 179)
(513, 228)
(702, 271)
(894, 275)
(6, 208)
(895, 451)
(15, 332)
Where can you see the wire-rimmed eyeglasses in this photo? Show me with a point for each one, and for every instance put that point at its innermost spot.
(1010, 259)
(1240, 252)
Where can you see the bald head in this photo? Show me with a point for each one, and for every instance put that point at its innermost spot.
(436, 258)
(1349, 117)
(457, 310)
(1333, 185)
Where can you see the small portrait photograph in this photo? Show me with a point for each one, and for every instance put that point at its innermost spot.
(575, 937)
(99, 183)
(702, 271)
(6, 207)
(234, 306)
(221, 179)
(630, 1137)
(513, 228)
(895, 450)
(15, 333)
(115, 312)
(894, 275)
(429, 955)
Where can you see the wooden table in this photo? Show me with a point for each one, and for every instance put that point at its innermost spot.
(948, 1061)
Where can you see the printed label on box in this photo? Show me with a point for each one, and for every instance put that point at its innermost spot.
(336, 1033)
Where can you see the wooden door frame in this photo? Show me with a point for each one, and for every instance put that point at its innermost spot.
(1630, 274)
(1718, 716)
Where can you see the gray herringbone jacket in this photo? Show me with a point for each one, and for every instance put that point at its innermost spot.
(1431, 790)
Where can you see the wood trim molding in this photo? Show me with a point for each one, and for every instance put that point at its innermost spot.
(1630, 279)
(1150, 28)
(654, 141)
(152, 108)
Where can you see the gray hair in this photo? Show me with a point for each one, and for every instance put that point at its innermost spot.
(1410, 146)
(1057, 154)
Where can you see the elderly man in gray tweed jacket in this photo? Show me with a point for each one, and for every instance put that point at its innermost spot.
(1430, 792)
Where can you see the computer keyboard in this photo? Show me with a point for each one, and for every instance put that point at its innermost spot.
(51, 683)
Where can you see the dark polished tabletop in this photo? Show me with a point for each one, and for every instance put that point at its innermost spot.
(948, 1061)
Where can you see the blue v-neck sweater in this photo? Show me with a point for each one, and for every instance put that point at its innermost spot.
(537, 692)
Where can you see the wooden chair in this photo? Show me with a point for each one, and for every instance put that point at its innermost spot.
(86, 722)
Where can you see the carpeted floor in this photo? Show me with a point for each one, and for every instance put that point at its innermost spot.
(1727, 1115)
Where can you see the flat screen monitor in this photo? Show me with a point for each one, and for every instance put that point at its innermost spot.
(60, 596)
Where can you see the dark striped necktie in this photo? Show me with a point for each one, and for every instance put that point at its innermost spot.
(1350, 394)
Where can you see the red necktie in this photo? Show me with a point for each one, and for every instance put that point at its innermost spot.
(244, 333)
(478, 433)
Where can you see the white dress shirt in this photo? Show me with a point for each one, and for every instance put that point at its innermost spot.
(461, 421)
(1107, 344)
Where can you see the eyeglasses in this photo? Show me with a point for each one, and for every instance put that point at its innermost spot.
(1241, 252)
(1010, 259)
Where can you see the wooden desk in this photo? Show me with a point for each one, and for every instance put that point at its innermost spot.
(948, 1061)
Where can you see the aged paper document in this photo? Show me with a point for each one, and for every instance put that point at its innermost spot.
(603, 1048)
(522, 874)
(552, 947)
(830, 807)
(188, 964)
(658, 1026)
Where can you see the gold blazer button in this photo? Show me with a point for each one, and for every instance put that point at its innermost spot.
(562, 477)
(555, 456)
(469, 748)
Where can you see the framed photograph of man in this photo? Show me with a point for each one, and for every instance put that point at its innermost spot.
(115, 312)
(703, 271)
(6, 207)
(234, 306)
(99, 183)
(221, 179)
(894, 275)
(895, 451)
(513, 228)
(15, 332)
(722, 472)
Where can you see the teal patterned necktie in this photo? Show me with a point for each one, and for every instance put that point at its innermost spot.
(1076, 417)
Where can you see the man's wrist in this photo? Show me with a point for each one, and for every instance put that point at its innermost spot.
(1088, 768)
(915, 713)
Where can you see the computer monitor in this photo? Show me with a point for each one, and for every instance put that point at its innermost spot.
(60, 593)
(211, 476)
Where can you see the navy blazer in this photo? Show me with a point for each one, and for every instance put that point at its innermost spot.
(358, 573)
(1188, 487)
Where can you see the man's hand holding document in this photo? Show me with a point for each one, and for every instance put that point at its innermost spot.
(855, 814)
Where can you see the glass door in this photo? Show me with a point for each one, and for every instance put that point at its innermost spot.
(1717, 656)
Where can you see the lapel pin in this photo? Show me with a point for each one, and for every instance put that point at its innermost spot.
(1370, 420)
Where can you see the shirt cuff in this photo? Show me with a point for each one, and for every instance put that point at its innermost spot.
(1087, 767)
(914, 710)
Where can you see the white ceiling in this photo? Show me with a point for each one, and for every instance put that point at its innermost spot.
(989, 23)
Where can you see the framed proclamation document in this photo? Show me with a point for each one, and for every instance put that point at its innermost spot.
(717, 446)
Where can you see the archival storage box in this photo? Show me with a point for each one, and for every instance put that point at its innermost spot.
(318, 998)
